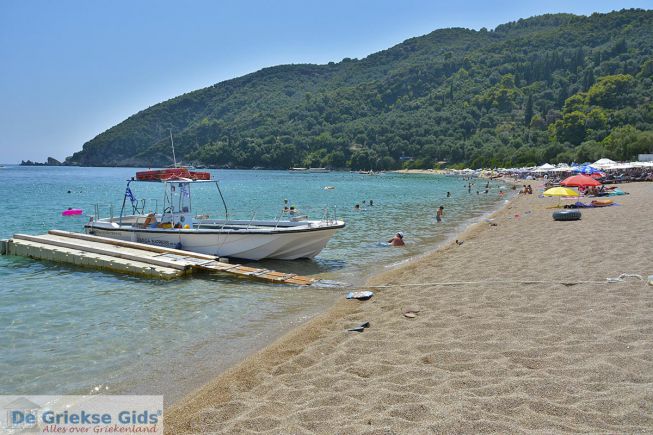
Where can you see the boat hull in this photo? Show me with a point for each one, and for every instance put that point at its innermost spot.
(280, 245)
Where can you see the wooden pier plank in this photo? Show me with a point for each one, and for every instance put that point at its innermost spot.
(127, 244)
(110, 251)
(130, 257)
(41, 251)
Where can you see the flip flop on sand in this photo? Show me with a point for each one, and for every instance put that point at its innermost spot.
(410, 311)
(360, 328)
(361, 296)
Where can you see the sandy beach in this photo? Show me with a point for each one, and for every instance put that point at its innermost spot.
(515, 330)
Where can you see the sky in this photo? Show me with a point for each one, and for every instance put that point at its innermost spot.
(71, 69)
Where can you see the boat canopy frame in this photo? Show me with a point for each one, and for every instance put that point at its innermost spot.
(166, 200)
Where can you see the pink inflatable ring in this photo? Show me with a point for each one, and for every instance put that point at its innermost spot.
(72, 212)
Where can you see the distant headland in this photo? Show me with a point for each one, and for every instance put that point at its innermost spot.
(50, 162)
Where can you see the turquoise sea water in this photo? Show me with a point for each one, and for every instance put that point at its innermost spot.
(72, 330)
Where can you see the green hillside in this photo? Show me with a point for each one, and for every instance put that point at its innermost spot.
(549, 88)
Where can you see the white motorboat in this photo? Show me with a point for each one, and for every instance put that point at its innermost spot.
(310, 170)
(176, 227)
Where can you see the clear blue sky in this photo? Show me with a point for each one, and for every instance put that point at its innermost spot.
(70, 69)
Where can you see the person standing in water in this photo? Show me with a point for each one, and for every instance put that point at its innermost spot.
(439, 214)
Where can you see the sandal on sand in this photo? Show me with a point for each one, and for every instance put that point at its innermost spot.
(360, 328)
(410, 311)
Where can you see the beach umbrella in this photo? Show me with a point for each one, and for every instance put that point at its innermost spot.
(585, 169)
(601, 163)
(622, 166)
(560, 192)
(544, 168)
(579, 181)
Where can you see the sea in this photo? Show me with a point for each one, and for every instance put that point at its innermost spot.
(69, 330)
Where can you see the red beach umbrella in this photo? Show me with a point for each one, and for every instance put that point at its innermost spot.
(579, 181)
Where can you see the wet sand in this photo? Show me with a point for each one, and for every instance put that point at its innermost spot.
(517, 330)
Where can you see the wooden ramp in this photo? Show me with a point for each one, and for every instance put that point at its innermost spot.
(133, 258)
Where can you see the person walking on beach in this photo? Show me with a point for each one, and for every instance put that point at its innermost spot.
(439, 214)
(397, 240)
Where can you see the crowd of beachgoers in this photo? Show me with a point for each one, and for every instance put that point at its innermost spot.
(606, 170)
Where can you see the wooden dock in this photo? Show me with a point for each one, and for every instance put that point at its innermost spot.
(133, 258)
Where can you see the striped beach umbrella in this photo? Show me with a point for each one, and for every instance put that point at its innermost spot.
(586, 169)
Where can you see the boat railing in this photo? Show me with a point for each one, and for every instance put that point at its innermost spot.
(144, 204)
(276, 224)
(251, 220)
(247, 217)
(326, 217)
(96, 212)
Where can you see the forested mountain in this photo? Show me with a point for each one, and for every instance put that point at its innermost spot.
(549, 88)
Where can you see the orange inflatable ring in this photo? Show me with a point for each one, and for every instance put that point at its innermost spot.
(601, 202)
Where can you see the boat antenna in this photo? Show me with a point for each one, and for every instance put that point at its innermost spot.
(174, 159)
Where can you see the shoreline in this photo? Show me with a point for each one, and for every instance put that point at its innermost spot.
(518, 343)
(224, 321)
(275, 352)
(360, 282)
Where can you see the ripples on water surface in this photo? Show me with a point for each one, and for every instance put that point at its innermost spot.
(71, 330)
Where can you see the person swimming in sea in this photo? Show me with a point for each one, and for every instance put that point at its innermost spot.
(397, 240)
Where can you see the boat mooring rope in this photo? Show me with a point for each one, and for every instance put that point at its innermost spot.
(620, 278)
